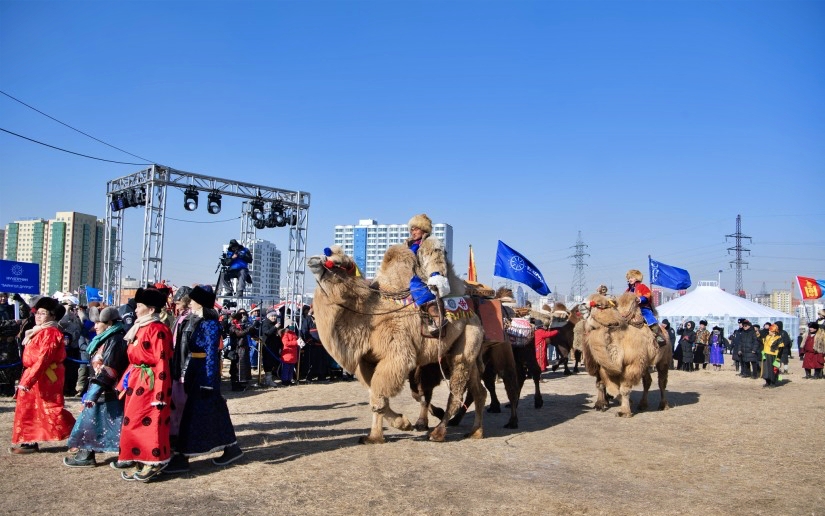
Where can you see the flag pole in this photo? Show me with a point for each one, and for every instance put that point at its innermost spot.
(649, 272)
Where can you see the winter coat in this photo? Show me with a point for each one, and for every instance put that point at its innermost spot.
(787, 343)
(811, 359)
(749, 345)
(289, 354)
(687, 341)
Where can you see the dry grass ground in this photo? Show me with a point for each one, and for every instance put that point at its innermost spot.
(727, 446)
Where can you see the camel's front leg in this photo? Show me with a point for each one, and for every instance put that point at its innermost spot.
(378, 404)
(601, 394)
(458, 382)
(661, 372)
(646, 381)
(479, 394)
(624, 409)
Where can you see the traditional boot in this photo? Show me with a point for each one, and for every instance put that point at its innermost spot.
(660, 337)
(438, 321)
(268, 380)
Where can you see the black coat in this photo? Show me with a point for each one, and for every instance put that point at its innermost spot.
(687, 341)
(748, 345)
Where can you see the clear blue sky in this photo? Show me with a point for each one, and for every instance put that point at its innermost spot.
(647, 126)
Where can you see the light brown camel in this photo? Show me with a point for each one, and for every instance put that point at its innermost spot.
(380, 339)
(619, 349)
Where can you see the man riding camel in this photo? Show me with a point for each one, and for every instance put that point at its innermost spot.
(432, 267)
(635, 285)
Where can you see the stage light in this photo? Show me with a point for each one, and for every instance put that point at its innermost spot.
(213, 205)
(190, 199)
(122, 201)
(260, 223)
(257, 209)
(114, 205)
(140, 196)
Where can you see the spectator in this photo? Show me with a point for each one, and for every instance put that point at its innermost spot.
(316, 355)
(271, 353)
(787, 344)
(240, 368)
(98, 427)
(748, 347)
(289, 355)
(254, 334)
(127, 313)
(72, 329)
(813, 355)
(206, 426)
(687, 340)
(87, 333)
(718, 343)
(771, 348)
(701, 349)
(147, 384)
(39, 414)
(734, 348)
(540, 335)
(7, 310)
(181, 334)
(671, 335)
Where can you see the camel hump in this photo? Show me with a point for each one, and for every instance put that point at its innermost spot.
(397, 268)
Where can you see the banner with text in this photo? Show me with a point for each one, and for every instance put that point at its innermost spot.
(19, 277)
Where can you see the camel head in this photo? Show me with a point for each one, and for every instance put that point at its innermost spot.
(334, 262)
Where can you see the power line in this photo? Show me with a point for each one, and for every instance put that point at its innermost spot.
(71, 152)
(75, 129)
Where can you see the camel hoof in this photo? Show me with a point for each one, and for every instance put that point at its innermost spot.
(371, 440)
(438, 435)
(494, 409)
(567, 372)
(512, 424)
(624, 414)
(641, 407)
(539, 402)
(421, 426)
(602, 407)
(402, 424)
(477, 434)
(664, 405)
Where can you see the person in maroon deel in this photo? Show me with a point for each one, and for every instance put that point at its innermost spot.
(635, 285)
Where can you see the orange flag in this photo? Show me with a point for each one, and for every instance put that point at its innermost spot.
(471, 269)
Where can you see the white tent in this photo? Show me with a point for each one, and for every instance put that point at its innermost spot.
(707, 301)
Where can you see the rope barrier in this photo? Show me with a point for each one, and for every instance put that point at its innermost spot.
(19, 362)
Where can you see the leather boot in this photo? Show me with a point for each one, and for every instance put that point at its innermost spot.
(660, 337)
(438, 322)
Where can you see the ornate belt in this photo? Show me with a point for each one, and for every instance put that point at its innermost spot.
(197, 355)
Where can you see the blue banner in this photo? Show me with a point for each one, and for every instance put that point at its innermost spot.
(668, 276)
(19, 277)
(93, 294)
(511, 264)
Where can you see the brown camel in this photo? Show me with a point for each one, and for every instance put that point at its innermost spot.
(380, 339)
(619, 349)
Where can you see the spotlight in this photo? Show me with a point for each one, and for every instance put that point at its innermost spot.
(140, 196)
(214, 204)
(260, 223)
(122, 201)
(113, 204)
(190, 199)
(257, 209)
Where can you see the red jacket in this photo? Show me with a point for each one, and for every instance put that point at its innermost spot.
(289, 354)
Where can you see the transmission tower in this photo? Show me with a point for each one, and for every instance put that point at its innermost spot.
(738, 262)
(579, 286)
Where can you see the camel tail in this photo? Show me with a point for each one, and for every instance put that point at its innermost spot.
(608, 357)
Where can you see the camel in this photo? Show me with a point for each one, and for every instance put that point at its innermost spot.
(619, 349)
(380, 339)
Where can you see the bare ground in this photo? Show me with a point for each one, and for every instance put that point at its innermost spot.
(727, 446)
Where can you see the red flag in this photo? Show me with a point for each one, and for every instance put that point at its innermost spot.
(810, 287)
(471, 269)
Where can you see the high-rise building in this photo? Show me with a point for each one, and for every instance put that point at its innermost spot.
(781, 300)
(368, 240)
(68, 248)
(265, 270)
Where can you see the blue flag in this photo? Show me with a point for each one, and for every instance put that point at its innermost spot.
(510, 264)
(668, 276)
(93, 294)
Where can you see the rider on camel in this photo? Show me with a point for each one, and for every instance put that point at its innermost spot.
(643, 294)
(432, 268)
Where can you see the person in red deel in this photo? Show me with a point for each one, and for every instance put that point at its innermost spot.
(147, 386)
(541, 335)
(39, 415)
(635, 285)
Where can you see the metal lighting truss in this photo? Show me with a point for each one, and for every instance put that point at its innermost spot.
(154, 181)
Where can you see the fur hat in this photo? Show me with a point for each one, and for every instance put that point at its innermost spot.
(703, 322)
(109, 314)
(422, 222)
(150, 297)
(52, 306)
(813, 325)
(203, 295)
(181, 293)
(634, 274)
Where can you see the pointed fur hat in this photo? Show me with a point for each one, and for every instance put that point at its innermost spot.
(422, 222)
